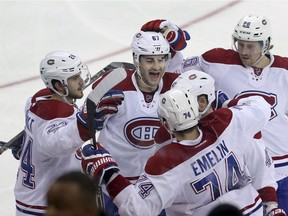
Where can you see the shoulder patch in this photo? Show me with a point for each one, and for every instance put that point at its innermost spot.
(51, 109)
(168, 79)
(222, 56)
(280, 62)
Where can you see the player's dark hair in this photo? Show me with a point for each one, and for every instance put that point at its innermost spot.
(53, 82)
(225, 210)
(86, 186)
(83, 181)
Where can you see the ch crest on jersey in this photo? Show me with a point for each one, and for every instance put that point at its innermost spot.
(191, 62)
(140, 132)
(269, 97)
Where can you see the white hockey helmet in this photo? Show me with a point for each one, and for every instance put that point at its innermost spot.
(253, 28)
(149, 43)
(197, 83)
(61, 65)
(179, 109)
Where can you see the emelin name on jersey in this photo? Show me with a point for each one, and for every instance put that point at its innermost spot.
(210, 159)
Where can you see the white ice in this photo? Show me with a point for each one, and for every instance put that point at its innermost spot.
(100, 32)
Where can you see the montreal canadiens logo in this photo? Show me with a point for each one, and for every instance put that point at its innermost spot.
(140, 132)
(269, 97)
(191, 62)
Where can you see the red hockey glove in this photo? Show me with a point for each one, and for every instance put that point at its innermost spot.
(153, 25)
(98, 163)
(174, 35)
(108, 105)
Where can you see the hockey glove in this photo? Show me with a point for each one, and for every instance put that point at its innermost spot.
(108, 105)
(16, 147)
(174, 35)
(220, 99)
(98, 163)
(153, 25)
(271, 209)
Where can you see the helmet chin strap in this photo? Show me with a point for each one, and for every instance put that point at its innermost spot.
(73, 100)
(73, 103)
(259, 59)
(64, 96)
(141, 80)
(136, 63)
(205, 110)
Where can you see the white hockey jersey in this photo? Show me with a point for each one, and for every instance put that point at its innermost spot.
(49, 150)
(192, 176)
(129, 134)
(238, 81)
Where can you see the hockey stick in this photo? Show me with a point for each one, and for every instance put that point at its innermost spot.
(106, 69)
(11, 142)
(107, 83)
(112, 79)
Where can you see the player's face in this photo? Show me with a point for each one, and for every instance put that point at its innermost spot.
(75, 87)
(249, 52)
(203, 103)
(64, 199)
(152, 68)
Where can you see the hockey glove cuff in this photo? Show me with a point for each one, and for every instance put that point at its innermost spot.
(98, 163)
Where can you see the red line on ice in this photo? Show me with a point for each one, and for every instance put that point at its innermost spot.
(188, 24)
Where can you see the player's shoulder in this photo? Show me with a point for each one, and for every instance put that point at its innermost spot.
(45, 92)
(170, 76)
(172, 155)
(217, 121)
(165, 159)
(168, 79)
(223, 56)
(162, 135)
(280, 62)
(51, 109)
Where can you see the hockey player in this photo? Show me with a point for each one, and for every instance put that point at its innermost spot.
(251, 69)
(129, 135)
(261, 168)
(203, 167)
(54, 129)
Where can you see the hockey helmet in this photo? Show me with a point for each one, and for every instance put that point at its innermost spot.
(61, 65)
(253, 28)
(179, 109)
(149, 43)
(197, 83)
